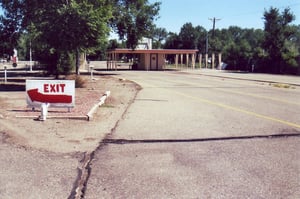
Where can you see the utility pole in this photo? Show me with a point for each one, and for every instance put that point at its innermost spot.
(214, 25)
(213, 35)
(206, 43)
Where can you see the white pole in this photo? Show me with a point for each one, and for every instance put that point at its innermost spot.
(91, 70)
(44, 111)
(5, 73)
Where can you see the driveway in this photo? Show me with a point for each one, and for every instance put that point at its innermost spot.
(199, 135)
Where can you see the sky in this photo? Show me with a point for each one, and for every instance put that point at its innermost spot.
(174, 14)
(243, 13)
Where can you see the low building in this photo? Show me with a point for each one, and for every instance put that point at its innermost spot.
(151, 59)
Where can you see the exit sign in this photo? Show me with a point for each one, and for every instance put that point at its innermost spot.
(57, 93)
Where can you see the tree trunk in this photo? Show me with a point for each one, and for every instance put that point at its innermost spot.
(77, 62)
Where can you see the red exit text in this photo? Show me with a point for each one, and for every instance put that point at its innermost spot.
(54, 88)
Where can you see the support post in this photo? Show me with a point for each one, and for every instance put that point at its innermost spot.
(5, 74)
(193, 60)
(91, 67)
(164, 64)
(44, 111)
(220, 61)
(187, 60)
(113, 61)
(107, 60)
(213, 61)
(200, 60)
(181, 60)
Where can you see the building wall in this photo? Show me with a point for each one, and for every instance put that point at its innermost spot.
(145, 43)
(161, 61)
(143, 62)
(151, 61)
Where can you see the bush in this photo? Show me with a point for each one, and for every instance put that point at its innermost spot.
(79, 81)
(66, 63)
(56, 62)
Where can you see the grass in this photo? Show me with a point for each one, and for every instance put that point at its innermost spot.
(107, 106)
(280, 85)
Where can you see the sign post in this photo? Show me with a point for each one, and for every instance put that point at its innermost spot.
(5, 74)
(91, 68)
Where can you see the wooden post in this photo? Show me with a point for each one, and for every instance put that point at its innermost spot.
(206, 60)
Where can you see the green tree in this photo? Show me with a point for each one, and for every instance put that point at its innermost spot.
(238, 55)
(62, 29)
(296, 37)
(257, 56)
(134, 19)
(189, 36)
(216, 43)
(241, 47)
(277, 33)
(113, 44)
(10, 25)
(70, 27)
(159, 35)
(172, 41)
(201, 41)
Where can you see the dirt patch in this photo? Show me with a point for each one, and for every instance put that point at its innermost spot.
(19, 125)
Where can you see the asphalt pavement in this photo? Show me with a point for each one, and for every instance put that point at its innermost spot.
(188, 134)
(31, 174)
(201, 134)
(261, 77)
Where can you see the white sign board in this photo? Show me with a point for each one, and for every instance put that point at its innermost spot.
(57, 93)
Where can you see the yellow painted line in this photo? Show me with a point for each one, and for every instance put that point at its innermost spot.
(228, 107)
(241, 93)
(259, 96)
(239, 110)
(250, 82)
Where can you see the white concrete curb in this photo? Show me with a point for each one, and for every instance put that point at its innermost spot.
(94, 108)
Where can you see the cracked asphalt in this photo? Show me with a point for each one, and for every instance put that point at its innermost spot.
(29, 173)
(192, 134)
(199, 134)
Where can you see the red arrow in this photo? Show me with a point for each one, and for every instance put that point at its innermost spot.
(34, 95)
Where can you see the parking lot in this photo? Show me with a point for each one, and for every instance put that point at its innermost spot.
(203, 134)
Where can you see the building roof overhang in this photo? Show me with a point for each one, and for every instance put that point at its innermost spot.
(154, 51)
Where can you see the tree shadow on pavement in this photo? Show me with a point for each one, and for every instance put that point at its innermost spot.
(10, 87)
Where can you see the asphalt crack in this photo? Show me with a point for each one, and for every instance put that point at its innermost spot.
(84, 172)
(85, 169)
(137, 141)
(82, 178)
